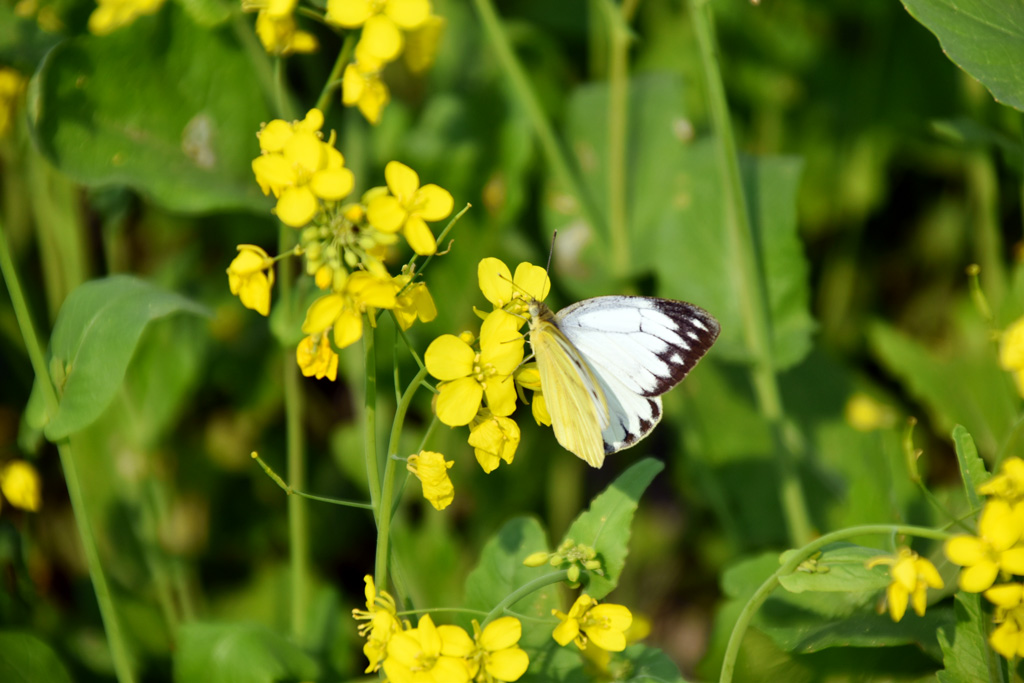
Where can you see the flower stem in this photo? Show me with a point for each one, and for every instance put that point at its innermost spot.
(789, 566)
(323, 103)
(618, 123)
(370, 420)
(384, 511)
(269, 471)
(118, 647)
(552, 149)
(751, 283)
(524, 590)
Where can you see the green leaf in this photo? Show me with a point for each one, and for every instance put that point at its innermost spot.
(984, 38)
(238, 653)
(965, 652)
(26, 659)
(206, 12)
(841, 567)
(972, 467)
(647, 665)
(605, 526)
(167, 108)
(94, 339)
(501, 571)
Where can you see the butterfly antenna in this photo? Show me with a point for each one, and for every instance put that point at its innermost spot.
(551, 252)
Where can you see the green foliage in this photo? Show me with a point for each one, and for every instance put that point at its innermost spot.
(972, 467)
(839, 568)
(237, 652)
(26, 659)
(965, 654)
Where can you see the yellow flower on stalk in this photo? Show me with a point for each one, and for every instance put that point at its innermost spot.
(12, 84)
(587, 620)
(344, 311)
(429, 654)
(382, 623)
(251, 276)
(600, 660)
(382, 22)
(1008, 638)
(413, 303)
(21, 486)
(111, 15)
(432, 470)
(1011, 352)
(498, 657)
(362, 87)
(912, 575)
(992, 551)
(1008, 485)
(300, 168)
(468, 376)
(493, 439)
(408, 207)
(280, 35)
(316, 357)
(513, 294)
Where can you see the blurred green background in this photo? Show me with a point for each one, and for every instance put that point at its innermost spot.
(876, 172)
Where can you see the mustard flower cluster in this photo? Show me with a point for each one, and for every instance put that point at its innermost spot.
(277, 29)
(387, 28)
(480, 374)
(428, 653)
(589, 622)
(343, 242)
(111, 15)
(912, 576)
(996, 554)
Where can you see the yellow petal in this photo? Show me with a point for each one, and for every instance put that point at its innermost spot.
(1007, 595)
(348, 328)
(495, 281)
(386, 214)
(927, 573)
(455, 642)
(1012, 561)
(533, 280)
(1005, 639)
(999, 525)
(332, 184)
(419, 237)
(458, 401)
(979, 577)
(273, 173)
(1011, 346)
(21, 485)
(501, 395)
(349, 13)
(508, 665)
(402, 180)
(897, 597)
(305, 150)
(966, 551)
(254, 293)
(375, 97)
(919, 599)
(435, 203)
(566, 632)
(381, 38)
(540, 410)
(501, 634)
(322, 313)
(501, 344)
(274, 135)
(905, 574)
(352, 85)
(409, 14)
(297, 206)
(448, 358)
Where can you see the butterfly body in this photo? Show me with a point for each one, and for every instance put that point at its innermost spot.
(604, 363)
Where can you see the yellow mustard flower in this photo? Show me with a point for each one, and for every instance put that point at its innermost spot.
(316, 358)
(300, 168)
(600, 660)
(493, 439)
(382, 22)
(421, 44)
(344, 310)
(408, 207)
(251, 276)
(1011, 352)
(587, 620)
(413, 303)
(280, 35)
(429, 654)
(498, 657)
(512, 293)
(467, 376)
(866, 414)
(984, 556)
(381, 624)
(1008, 484)
(362, 87)
(1007, 639)
(1006, 597)
(528, 377)
(111, 15)
(12, 84)
(21, 485)
(432, 470)
(912, 575)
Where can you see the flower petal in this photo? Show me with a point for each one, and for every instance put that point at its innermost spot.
(458, 401)
(966, 551)
(533, 280)
(349, 13)
(402, 180)
(448, 358)
(409, 14)
(386, 213)
(332, 184)
(507, 665)
(897, 597)
(979, 577)
(435, 203)
(501, 634)
(297, 206)
(419, 237)
(495, 281)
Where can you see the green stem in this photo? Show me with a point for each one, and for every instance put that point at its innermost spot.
(751, 284)
(384, 511)
(269, 471)
(344, 57)
(370, 421)
(524, 590)
(789, 566)
(552, 149)
(618, 125)
(298, 523)
(276, 98)
(108, 613)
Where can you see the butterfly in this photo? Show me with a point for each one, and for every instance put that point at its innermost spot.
(605, 362)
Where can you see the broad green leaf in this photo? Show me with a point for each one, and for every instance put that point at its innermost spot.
(643, 664)
(965, 651)
(501, 571)
(972, 467)
(26, 659)
(605, 525)
(238, 653)
(94, 339)
(985, 38)
(963, 385)
(840, 567)
(167, 108)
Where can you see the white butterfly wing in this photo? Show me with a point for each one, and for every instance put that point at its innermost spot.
(639, 348)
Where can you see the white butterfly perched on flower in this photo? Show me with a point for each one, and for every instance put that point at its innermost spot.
(605, 362)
